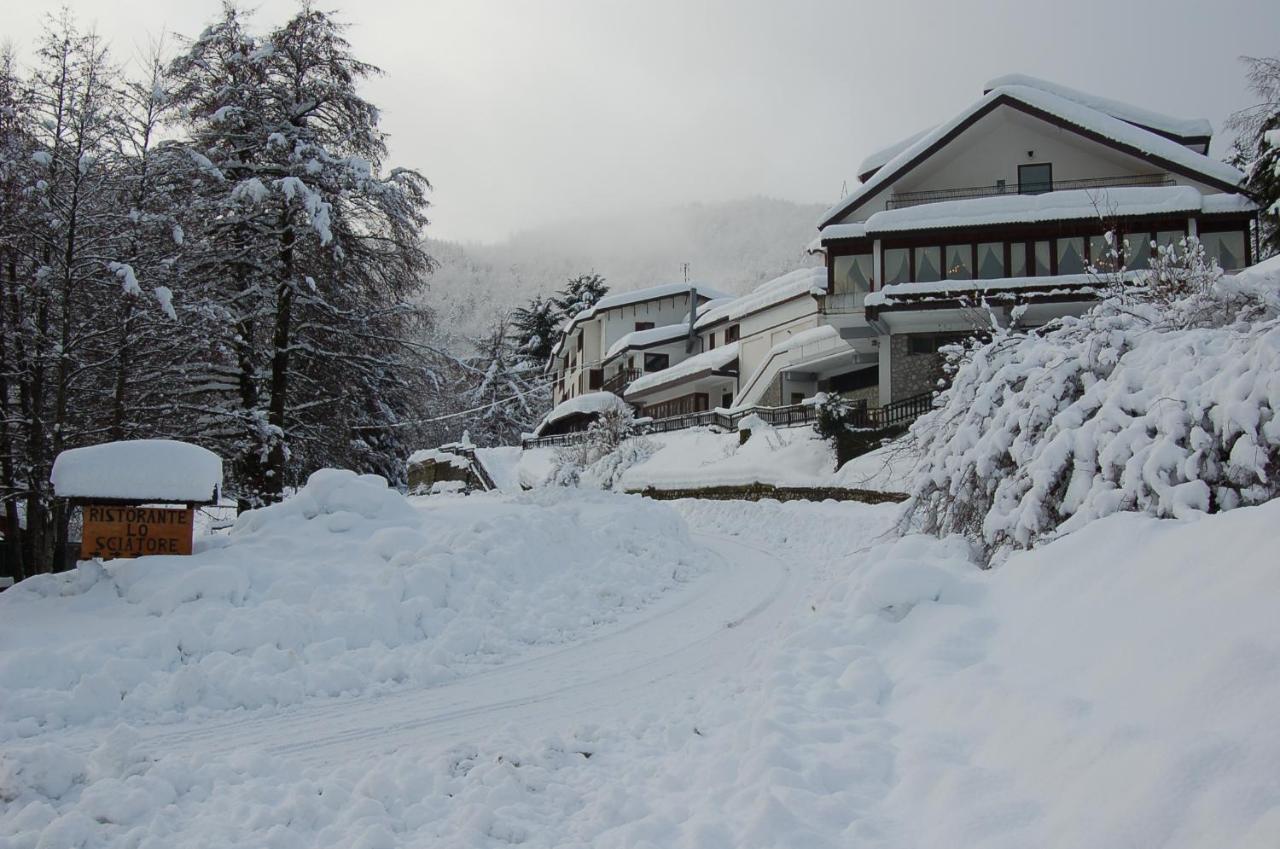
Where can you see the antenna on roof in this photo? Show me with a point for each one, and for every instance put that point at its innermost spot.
(685, 267)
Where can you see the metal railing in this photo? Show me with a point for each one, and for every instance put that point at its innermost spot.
(897, 414)
(905, 199)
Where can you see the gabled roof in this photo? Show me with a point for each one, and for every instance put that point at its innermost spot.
(1183, 130)
(1060, 111)
(877, 160)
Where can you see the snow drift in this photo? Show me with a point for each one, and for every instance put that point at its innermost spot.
(346, 586)
(1163, 408)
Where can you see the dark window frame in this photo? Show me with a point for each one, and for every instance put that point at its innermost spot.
(1042, 185)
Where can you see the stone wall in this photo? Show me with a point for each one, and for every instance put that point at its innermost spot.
(911, 374)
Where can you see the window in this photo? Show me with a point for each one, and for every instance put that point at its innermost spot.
(1071, 255)
(731, 333)
(1137, 251)
(852, 274)
(1040, 254)
(959, 262)
(1166, 239)
(656, 362)
(928, 264)
(797, 398)
(711, 342)
(1226, 247)
(726, 400)
(897, 265)
(929, 343)
(1035, 179)
(1100, 254)
(579, 343)
(1017, 259)
(644, 325)
(991, 260)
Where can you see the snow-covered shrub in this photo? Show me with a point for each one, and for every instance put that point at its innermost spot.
(611, 428)
(1161, 401)
(835, 416)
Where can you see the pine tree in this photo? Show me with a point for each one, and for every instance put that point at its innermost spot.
(534, 329)
(582, 292)
(506, 386)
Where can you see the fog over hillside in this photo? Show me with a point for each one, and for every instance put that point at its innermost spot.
(733, 246)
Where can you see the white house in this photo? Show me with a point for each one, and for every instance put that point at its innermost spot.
(1006, 204)
(578, 358)
(998, 214)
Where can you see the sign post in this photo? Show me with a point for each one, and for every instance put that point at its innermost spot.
(137, 497)
(112, 530)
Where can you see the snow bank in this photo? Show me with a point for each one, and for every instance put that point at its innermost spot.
(141, 469)
(439, 457)
(344, 587)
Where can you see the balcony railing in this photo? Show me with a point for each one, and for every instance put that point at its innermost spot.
(619, 381)
(905, 199)
(898, 414)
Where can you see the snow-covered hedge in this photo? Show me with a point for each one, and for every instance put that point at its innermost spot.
(1145, 404)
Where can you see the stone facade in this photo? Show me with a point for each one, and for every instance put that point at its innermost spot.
(911, 374)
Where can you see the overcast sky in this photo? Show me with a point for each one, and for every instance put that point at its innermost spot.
(526, 112)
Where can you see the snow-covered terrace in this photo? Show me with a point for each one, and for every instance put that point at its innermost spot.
(647, 339)
(1072, 205)
(802, 281)
(706, 364)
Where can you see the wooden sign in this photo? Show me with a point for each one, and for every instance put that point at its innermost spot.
(114, 531)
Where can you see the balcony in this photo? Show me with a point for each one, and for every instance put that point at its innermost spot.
(902, 200)
(619, 381)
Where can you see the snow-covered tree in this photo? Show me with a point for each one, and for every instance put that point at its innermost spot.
(534, 329)
(1257, 146)
(579, 294)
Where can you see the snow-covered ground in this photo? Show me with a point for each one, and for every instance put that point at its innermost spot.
(782, 675)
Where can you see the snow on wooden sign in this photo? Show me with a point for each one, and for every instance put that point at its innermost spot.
(139, 470)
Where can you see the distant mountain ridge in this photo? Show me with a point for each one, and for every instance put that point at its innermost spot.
(733, 246)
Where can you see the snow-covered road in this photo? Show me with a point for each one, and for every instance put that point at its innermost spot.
(701, 631)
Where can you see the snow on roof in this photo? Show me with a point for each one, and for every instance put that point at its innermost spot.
(713, 360)
(1029, 209)
(643, 338)
(1184, 127)
(843, 231)
(784, 288)
(1221, 203)
(884, 155)
(440, 456)
(161, 470)
(635, 296)
(951, 288)
(592, 402)
(1069, 111)
(805, 337)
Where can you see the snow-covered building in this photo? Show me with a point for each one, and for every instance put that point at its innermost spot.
(592, 337)
(1007, 204)
(999, 214)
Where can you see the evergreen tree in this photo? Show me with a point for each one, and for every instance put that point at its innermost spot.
(581, 293)
(506, 386)
(534, 329)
